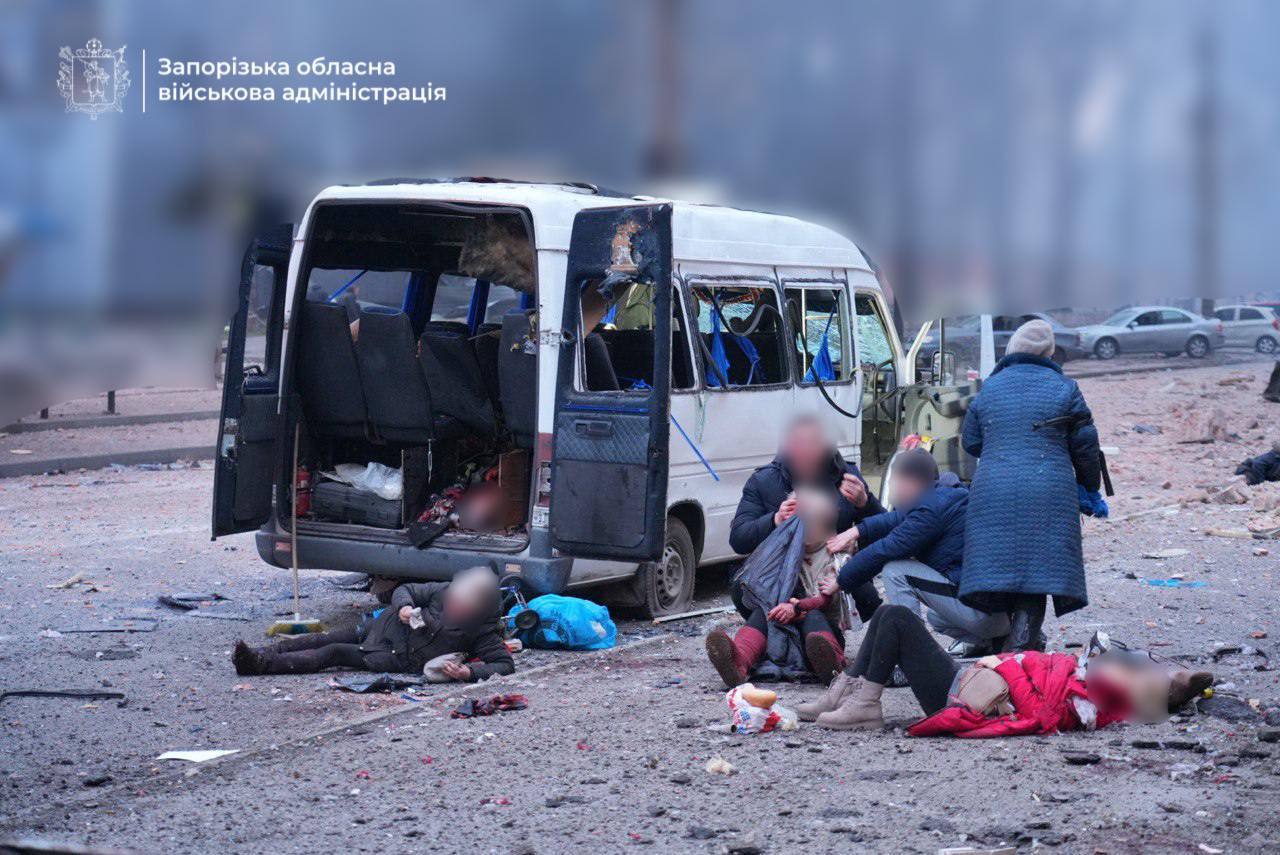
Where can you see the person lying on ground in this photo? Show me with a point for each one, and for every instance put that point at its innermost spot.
(807, 457)
(425, 620)
(1010, 694)
(919, 548)
(820, 618)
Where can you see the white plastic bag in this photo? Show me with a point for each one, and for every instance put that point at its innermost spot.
(376, 478)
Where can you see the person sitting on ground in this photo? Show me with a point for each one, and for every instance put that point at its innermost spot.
(919, 547)
(1009, 694)
(821, 619)
(807, 457)
(425, 620)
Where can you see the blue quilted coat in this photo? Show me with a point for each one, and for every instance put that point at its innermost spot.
(1035, 438)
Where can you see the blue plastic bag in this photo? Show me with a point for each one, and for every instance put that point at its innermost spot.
(1091, 503)
(568, 623)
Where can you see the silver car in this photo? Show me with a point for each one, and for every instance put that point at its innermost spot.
(1153, 329)
(1254, 327)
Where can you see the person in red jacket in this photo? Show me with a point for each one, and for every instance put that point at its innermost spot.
(1039, 692)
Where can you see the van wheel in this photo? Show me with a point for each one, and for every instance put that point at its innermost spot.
(665, 587)
(1198, 347)
(1106, 348)
(1266, 344)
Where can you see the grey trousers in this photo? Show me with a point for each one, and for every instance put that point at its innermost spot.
(914, 584)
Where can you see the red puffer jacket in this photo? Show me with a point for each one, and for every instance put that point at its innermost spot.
(1042, 688)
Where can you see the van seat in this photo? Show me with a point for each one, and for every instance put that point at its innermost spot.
(485, 345)
(327, 373)
(518, 378)
(453, 375)
(395, 387)
(458, 327)
(599, 365)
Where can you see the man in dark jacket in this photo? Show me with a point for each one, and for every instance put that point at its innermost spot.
(919, 548)
(808, 458)
(425, 621)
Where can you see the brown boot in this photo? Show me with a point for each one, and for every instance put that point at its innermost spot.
(723, 656)
(826, 659)
(860, 709)
(829, 700)
(1185, 685)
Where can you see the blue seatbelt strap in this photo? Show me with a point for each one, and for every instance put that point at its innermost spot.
(476, 308)
(350, 282)
(640, 386)
(823, 366)
(717, 344)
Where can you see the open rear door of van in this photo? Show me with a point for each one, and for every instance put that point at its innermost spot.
(247, 456)
(609, 466)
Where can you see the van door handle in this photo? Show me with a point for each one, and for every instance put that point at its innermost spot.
(583, 427)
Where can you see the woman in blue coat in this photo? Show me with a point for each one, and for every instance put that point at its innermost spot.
(1035, 438)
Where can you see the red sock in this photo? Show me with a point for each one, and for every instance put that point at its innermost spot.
(830, 638)
(748, 647)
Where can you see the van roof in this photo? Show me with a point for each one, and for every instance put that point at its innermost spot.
(700, 232)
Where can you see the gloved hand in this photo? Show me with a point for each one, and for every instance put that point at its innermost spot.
(1091, 503)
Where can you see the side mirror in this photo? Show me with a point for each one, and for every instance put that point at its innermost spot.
(1133, 325)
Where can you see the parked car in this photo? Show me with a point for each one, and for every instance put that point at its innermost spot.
(1153, 329)
(962, 333)
(1254, 327)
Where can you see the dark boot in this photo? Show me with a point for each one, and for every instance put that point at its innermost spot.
(826, 659)
(248, 661)
(1024, 624)
(1185, 684)
(1273, 386)
(733, 657)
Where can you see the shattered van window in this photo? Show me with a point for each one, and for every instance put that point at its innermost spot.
(873, 340)
(742, 330)
(821, 315)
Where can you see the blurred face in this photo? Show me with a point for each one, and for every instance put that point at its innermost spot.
(1147, 688)
(818, 515)
(904, 490)
(806, 451)
(469, 597)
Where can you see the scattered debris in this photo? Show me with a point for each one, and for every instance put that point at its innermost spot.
(1226, 707)
(67, 583)
(1176, 583)
(111, 654)
(144, 624)
(85, 694)
(366, 683)
(1081, 758)
(719, 766)
(198, 756)
(1154, 429)
(473, 708)
(188, 601)
(715, 610)
(1161, 554)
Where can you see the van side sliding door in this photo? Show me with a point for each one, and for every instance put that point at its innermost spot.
(609, 466)
(245, 461)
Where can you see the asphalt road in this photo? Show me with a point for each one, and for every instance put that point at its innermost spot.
(612, 751)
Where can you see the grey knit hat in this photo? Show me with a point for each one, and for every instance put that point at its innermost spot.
(1033, 337)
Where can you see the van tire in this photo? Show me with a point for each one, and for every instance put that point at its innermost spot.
(1198, 347)
(665, 587)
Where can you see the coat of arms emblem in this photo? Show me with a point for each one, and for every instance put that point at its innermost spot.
(93, 79)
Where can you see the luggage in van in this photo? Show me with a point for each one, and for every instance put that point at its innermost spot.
(337, 502)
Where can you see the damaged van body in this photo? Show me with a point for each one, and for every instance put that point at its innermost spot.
(566, 385)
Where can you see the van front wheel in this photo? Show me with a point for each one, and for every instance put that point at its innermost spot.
(665, 587)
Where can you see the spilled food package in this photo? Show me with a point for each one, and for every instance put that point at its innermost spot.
(757, 711)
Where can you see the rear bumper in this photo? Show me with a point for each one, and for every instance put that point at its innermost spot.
(545, 573)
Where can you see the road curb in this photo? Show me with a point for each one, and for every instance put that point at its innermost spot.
(14, 824)
(101, 461)
(83, 422)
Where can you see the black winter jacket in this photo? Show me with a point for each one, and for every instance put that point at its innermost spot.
(414, 648)
(769, 486)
